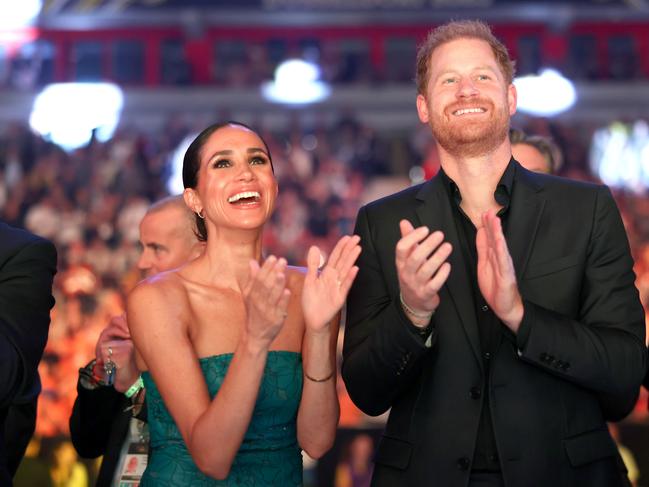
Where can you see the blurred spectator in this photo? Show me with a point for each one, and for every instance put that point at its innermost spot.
(535, 152)
(355, 468)
(34, 470)
(627, 457)
(65, 468)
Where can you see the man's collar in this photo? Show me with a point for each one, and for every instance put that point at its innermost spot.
(503, 191)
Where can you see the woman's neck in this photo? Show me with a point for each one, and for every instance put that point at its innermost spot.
(228, 254)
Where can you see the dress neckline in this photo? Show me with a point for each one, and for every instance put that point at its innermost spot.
(230, 354)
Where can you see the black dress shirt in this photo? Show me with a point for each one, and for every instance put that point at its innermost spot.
(485, 457)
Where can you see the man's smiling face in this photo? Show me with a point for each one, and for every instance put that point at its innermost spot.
(468, 103)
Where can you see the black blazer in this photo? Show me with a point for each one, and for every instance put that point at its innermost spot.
(584, 356)
(99, 426)
(27, 268)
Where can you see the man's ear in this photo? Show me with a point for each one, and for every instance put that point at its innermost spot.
(422, 109)
(512, 98)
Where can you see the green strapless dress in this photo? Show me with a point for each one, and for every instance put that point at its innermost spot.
(269, 454)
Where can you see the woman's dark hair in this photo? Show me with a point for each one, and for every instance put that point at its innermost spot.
(192, 163)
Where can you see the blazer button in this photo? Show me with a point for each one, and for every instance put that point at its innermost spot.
(463, 463)
(475, 393)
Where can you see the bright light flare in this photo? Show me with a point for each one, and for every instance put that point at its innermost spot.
(296, 83)
(546, 94)
(67, 113)
(16, 14)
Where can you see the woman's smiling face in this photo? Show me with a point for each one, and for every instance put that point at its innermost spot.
(236, 185)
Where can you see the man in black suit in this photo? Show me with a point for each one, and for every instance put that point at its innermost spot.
(27, 268)
(495, 311)
(102, 417)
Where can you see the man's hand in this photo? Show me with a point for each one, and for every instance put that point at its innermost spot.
(422, 270)
(496, 275)
(117, 338)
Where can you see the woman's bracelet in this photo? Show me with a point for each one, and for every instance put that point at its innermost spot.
(135, 388)
(320, 380)
(415, 313)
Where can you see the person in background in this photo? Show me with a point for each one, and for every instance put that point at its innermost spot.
(633, 472)
(102, 420)
(535, 152)
(27, 268)
(355, 467)
(65, 468)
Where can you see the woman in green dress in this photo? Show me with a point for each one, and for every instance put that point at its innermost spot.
(238, 351)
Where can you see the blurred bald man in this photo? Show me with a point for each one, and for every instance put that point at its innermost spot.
(107, 418)
(168, 236)
(535, 152)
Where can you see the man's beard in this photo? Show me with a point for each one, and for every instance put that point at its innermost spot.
(471, 138)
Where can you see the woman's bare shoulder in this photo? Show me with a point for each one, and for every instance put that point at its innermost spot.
(163, 289)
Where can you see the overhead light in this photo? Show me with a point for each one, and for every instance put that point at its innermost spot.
(546, 94)
(68, 113)
(18, 14)
(296, 83)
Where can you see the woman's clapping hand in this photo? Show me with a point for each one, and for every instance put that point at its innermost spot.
(266, 298)
(324, 292)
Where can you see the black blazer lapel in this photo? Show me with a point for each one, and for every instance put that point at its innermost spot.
(526, 209)
(435, 211)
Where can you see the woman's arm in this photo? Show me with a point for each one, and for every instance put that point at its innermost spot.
(323, 295)
(158, 316)
(317, 418)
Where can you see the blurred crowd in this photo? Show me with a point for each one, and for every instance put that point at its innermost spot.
(90, 201)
